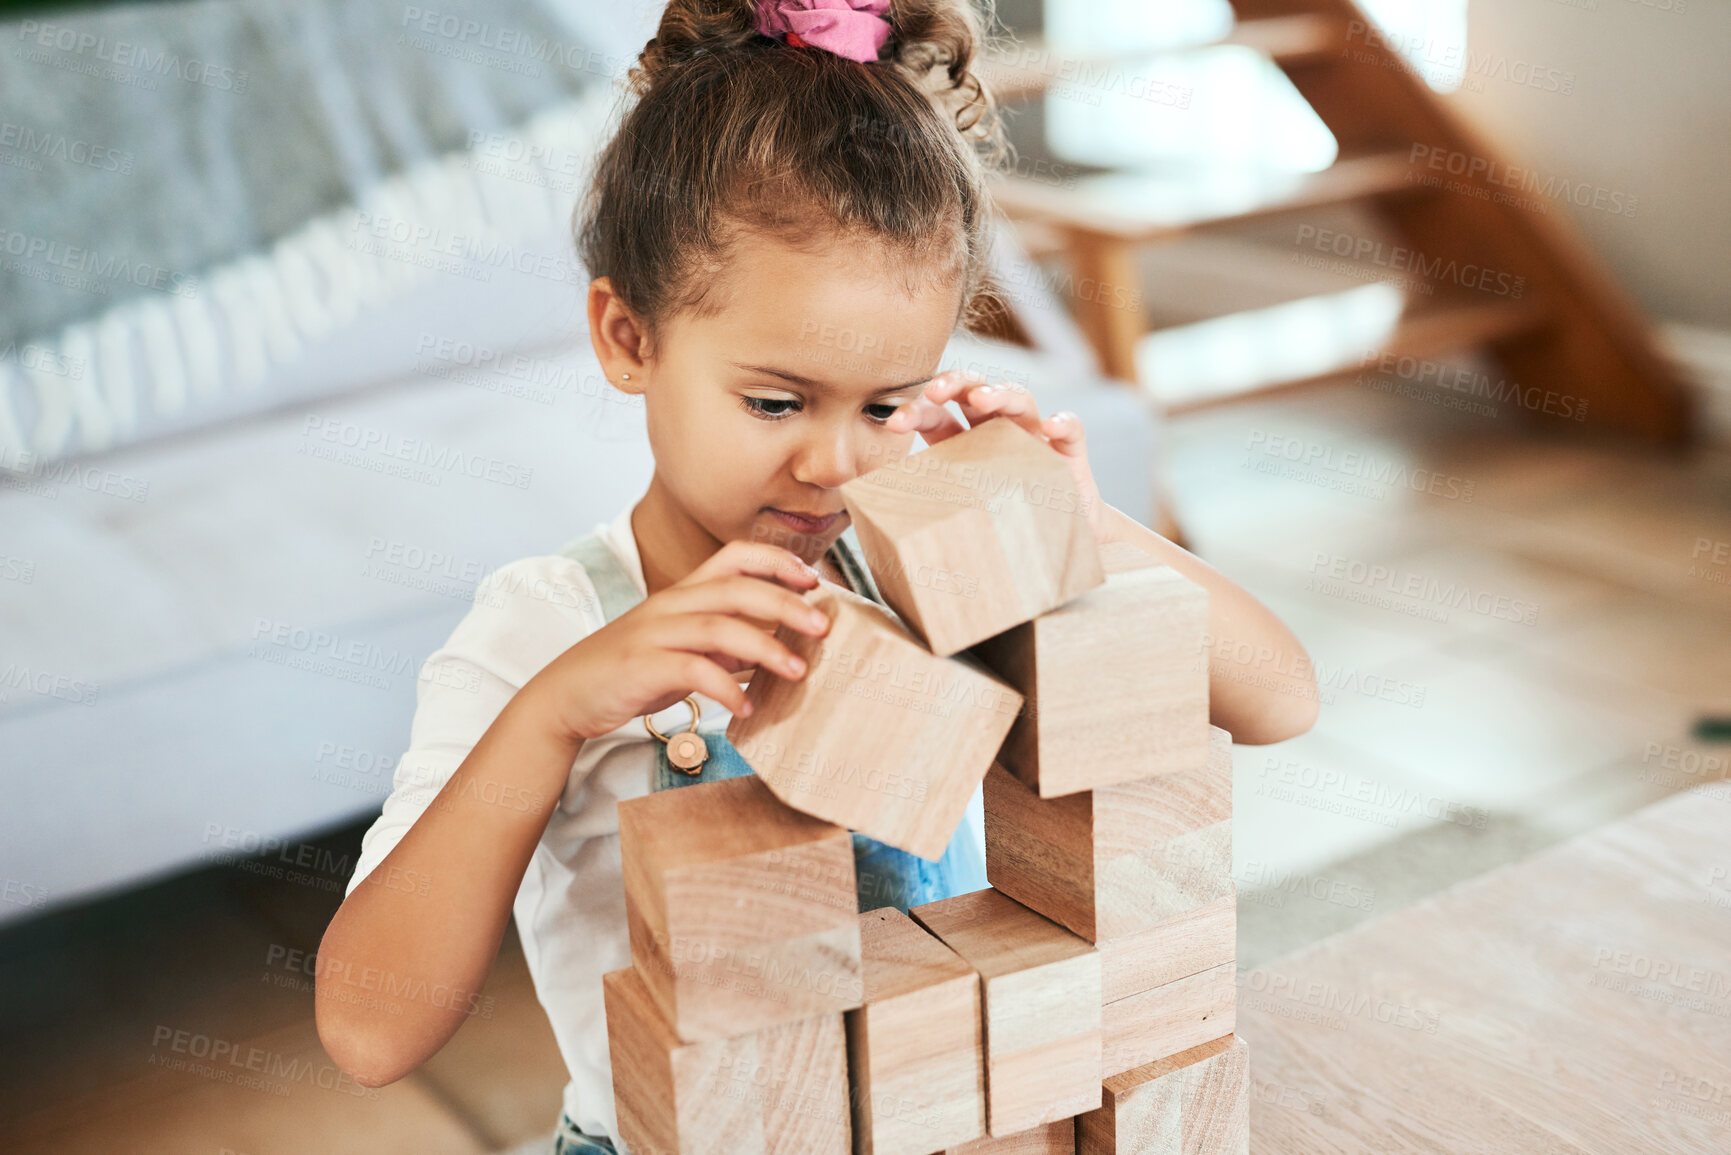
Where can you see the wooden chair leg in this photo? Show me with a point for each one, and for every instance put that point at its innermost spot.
(1108, 301)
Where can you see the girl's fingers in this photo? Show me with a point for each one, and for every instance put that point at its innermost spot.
(926, 414)
(951, 384)
(752, 597)
(962, 387)
(756, 559)
(667, 702)
(1004, 401)
(699, 674)
(978, 399)
(723, 634)
(1067, 436)
(927, 418)
(1064, 431)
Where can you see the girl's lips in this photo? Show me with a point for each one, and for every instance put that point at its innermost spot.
(805, 524)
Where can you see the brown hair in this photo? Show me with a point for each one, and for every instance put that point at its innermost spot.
(732, 131)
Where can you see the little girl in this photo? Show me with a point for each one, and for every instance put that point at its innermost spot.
(784, 233)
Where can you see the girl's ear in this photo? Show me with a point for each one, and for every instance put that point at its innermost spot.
(617, 338)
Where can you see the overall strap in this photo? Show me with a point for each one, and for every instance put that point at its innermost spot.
(845, 554)
(613, 583)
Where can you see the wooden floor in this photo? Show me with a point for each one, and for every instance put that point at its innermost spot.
(1529, 660)
(1577, 1002)
(1456, 737)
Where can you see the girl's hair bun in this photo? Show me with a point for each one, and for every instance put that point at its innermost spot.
(726, 127)
(936, 42)
(689, 28)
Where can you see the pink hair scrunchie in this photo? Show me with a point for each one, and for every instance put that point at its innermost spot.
(855, 29)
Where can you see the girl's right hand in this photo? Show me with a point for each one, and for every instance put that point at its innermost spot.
(692, 636)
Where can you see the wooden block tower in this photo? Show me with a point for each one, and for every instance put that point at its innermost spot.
(914, 1045)
(881, 735)
(726, 1031)
(1084, 1001)
(981, 532)
(1041, 1005)
(1115, 691)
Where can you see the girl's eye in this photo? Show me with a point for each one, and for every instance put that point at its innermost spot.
(770, 408)
(779, 408)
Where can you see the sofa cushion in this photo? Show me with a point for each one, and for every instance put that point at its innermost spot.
(212, 640)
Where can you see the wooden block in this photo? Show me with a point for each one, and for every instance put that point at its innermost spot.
(880, 736)
(1121, 557)
(1182, 946)
(978, 533)
(1115, 682)
(916, 1049)
(780, 1091)
(1116, 860)
(741, 910)
(1172, 1017)
(1042, 1032)
(1196, 1102)
(1055, 1138)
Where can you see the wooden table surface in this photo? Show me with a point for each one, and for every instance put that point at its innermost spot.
(1577, 1001)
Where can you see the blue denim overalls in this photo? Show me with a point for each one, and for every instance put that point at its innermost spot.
(884, 875)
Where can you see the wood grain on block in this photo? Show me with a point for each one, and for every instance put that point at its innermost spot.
(1196, 1102)
(1054, 1138)
(1042, 1032)
(741, 910)
(1115, 683)
(1115, 860)
(916, 1048)
(880, 736)
(1194, 941)
(1172, 1017)
(978, 533)
(779, 1091)
(1121, 557)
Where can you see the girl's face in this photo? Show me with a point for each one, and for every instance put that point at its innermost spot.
(758, 414)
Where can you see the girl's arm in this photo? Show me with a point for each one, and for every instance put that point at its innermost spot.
(1260, 685)
(415, 940)
(1260, 688)
(411, 946)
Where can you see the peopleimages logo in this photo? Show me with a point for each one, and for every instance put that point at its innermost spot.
(1399, 258)
(246, 1065)
(106, 270)
(1671, 972)
(1347, 470)
(1331, 572)
(148, 59)
(1494, 172)
(331, 438)
(15, 677)
(1425, 374)
(36, 145)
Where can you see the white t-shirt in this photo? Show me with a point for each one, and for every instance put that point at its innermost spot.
(570, 909)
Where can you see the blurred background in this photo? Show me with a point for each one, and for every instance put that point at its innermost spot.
(1414, 318)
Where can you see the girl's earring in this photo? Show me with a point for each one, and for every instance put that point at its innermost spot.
(627, 376)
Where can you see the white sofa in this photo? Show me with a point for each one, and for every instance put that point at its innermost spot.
(211, 638)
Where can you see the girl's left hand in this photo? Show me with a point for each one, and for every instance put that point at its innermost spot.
(979, 401)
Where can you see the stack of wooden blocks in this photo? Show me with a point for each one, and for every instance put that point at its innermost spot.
(1083, 1003)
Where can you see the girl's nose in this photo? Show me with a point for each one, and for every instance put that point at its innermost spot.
(826, 460)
